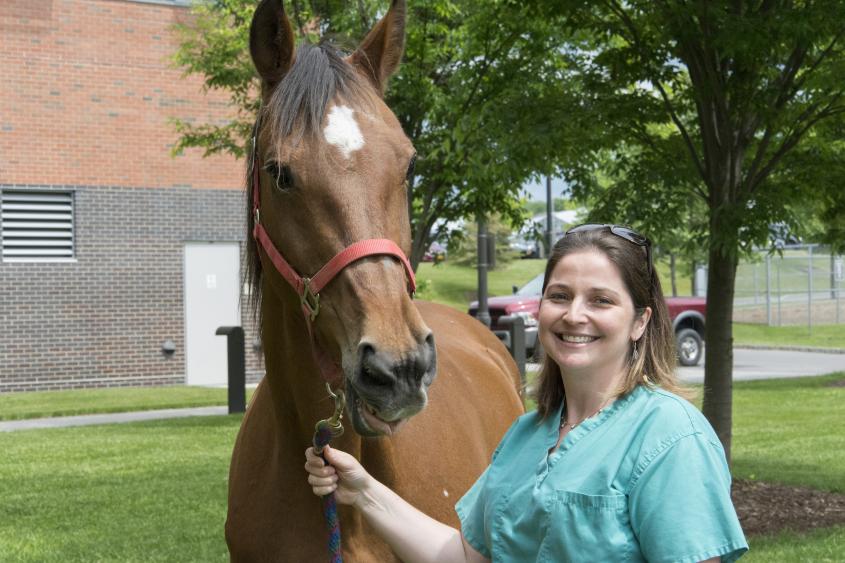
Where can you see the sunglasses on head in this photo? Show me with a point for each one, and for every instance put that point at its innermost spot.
(621, 231)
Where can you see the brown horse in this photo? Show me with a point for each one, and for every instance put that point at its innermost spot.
(334, 162)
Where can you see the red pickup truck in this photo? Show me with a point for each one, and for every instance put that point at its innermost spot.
(687, 314)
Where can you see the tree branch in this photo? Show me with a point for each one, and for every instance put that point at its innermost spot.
(792, 139)
(637, 41)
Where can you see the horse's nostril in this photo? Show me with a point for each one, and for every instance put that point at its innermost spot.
(374, 369)
(425, 358)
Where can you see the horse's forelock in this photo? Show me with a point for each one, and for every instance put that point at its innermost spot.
(296, 110)
(297, 107)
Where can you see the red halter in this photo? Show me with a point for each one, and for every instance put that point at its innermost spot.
(309, 289)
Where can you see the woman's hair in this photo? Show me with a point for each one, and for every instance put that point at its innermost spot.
(656, 359)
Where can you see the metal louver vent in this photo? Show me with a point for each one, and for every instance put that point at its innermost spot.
(36, 226)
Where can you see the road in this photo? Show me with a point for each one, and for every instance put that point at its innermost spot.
(766, 364)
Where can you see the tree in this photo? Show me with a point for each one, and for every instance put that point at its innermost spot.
(474, 94)
(711, 106)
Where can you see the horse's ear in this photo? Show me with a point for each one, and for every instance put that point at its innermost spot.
(271, 42)
(379, 54)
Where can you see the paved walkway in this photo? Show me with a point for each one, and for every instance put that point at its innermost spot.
(756, 363)
(111, 418)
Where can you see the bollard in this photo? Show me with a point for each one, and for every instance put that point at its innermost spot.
(516, 325)
(237, 370)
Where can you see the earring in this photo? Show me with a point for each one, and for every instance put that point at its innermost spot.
(636, 353)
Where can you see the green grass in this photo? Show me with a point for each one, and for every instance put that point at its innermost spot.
(156, 491)
(14, 406)
(822, 336)
(825, 545)
(456, 286)
(683, 278)
(790, 431)
(788, 274)
(153, 491)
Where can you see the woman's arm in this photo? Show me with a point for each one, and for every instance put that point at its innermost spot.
(413, 536)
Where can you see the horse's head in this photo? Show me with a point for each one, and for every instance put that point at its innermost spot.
(333, 165)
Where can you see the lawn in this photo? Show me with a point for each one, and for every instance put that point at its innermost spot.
(823, 336)
(790, 431)
(15, 406)
(156, 491)
(456, 286)
(153, 491)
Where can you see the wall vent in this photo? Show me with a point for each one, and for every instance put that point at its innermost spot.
(36, 226)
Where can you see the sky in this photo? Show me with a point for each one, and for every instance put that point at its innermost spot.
(537, 190)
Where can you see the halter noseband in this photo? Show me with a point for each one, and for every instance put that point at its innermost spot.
(309, 289)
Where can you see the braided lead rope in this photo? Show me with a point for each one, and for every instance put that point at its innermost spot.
(324, 431)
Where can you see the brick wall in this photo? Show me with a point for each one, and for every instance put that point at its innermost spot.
(101, 319)
(86, 94)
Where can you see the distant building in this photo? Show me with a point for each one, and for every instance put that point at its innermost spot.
(561, 221)
(118, 260)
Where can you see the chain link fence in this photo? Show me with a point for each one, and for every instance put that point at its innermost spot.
(803, 286)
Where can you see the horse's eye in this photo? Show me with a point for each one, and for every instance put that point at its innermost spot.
(281, 175)
(410, 174)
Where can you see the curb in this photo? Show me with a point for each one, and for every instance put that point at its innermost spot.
(791, 348)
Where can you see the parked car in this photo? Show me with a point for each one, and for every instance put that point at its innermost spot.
(687, 314)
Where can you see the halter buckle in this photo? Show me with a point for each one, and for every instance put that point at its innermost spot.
(310, 301)
(256, 216)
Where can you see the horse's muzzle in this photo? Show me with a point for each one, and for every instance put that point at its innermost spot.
(386, 390)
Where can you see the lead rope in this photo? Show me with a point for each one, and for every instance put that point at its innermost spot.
(324, 431)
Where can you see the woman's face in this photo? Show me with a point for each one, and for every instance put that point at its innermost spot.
(587, 318)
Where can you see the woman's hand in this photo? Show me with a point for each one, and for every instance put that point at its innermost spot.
(345, 476)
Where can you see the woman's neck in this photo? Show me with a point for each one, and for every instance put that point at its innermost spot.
(586, 394)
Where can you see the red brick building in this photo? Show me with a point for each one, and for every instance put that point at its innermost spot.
(102, 229)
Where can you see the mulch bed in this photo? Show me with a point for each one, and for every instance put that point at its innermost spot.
(766, 508)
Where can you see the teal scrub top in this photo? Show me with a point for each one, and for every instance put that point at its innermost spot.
(644, 480)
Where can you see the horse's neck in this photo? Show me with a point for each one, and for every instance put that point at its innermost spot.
(298, 390)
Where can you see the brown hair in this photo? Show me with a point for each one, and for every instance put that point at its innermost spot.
(655, 364)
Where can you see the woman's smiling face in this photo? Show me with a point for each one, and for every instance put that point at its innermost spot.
(587, 318)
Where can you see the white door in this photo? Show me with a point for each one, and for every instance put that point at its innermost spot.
(211, 301)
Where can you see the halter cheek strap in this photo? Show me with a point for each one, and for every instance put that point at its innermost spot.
(309, 289)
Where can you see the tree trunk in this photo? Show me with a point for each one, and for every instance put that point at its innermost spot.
(418, 248)
(718, 352)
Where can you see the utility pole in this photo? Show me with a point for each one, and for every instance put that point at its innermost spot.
(549, 220)
(483, 314)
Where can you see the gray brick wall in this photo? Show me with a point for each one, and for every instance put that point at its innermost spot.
(100, 320)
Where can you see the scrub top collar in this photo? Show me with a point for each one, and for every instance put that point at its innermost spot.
(552, 423)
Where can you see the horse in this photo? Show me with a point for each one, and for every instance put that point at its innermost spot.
(430, 390)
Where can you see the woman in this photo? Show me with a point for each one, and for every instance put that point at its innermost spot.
(612, 466)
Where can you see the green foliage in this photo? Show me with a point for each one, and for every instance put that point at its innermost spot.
(558, 204)
(463, 248)
(476, 94)
(703, 110)
(669, 82)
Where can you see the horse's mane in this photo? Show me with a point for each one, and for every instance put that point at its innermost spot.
(296, 109)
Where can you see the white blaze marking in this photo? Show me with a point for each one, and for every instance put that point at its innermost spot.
(342, 131)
